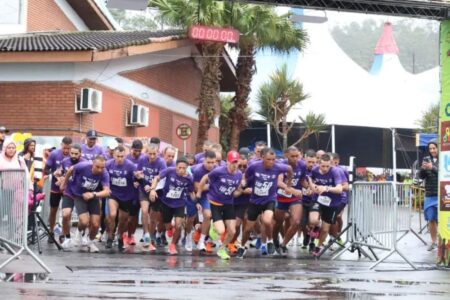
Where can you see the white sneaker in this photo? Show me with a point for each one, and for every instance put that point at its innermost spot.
(146, 240)
(84, 240)
(201, 246)
(92, 247)
(188, 245)
(78, 239)
(67, 244)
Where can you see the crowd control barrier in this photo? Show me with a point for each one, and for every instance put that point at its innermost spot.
(14, 193)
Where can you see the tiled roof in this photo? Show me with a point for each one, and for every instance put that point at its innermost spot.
(87, 40)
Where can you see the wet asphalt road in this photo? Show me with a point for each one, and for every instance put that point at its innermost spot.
(140, 275)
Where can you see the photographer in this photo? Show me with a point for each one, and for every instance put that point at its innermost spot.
(429, 173)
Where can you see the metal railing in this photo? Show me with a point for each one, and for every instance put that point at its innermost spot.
(14, 216)
(379, 216)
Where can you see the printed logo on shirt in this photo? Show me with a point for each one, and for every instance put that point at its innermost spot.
(89, 184)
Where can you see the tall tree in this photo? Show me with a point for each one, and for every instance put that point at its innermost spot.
(261, 27)
(184, 13)
(430, 119)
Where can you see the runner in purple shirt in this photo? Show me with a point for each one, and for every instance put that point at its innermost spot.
(169, 156)
(89, 182)
(148, 168)
(134, 156)
(326, 183)
(290, 203)
(121, 173)
(336, 229)
(264, 177)
(178, 186)
(202, 205)
(199, 156)
(90, 150)
(53, 164)
(223, 181)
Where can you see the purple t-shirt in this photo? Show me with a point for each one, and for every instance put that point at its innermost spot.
(122, 179)
(91, 153)
(264, 181)
(345, 177)
(54, 163)
(243, 199)
(151, 169)
(199, 156)
(332, 178)
(307, 199)
(171, 165)
(84, 181)
(298, 174)
(198, 171)
(222, 185)
(176, 188)
(135, 162)
(67, 163)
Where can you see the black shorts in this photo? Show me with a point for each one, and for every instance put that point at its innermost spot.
(154, 206)
(307, 209)
(134, 209)
(67, 202)
(55, 198)
(341, 208)
(328, 214)
(168, 213)
(222, 212)
(240, 210)
(92, 206)
(254, 210)
(123, 205)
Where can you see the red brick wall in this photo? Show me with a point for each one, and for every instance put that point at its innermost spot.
(45, 15)
(180, 79)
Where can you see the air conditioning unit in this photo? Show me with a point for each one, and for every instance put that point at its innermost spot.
(139, 115)
(89, 101)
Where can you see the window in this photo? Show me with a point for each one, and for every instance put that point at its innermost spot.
(11, 12)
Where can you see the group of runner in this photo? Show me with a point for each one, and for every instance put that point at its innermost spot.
(202, 200)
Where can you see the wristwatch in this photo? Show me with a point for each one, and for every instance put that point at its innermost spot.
(95, 194)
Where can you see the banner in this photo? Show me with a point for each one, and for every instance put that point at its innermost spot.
(444, 147)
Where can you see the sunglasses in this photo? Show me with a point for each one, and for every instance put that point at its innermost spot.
(242, 166)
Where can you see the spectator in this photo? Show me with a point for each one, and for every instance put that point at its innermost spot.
(3, 132)
(429, 173)
(29, 147)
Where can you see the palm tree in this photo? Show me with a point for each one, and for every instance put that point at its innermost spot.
(261, 27)
(277, 97)
(185, 13)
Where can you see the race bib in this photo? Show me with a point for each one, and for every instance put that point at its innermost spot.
(174, 194)
(262, 189)
(324, 200)
(122, 182)
(283, 193)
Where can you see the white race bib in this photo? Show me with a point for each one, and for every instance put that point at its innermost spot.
(283, 193)
(122, 182)
(174, 194)
(324, 200)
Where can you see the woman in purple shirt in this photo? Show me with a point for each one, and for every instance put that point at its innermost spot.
(178, 186)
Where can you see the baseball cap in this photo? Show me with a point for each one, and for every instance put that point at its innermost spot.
(232, 156)
(91, 134)
(4, 129)
(155, 140)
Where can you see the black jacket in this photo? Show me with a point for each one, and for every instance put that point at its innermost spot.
(431, 178)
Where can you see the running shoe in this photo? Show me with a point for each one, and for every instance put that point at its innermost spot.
(188, 244)
(120, 245)
(109, 244)
(146, 240)
(297, 241)
(283, 250)
(264, 249)
(172, 249)
(222, 253)
(84, 240)
(151, 247)
(201, 246)
(241, 252)
(432, 247)
(213, 233)
(306, 240)
(67, 244)
(316, 252)
(125, 240)
(61, 238)
(50, 239)
(258, 243)
(276, 243)
(164, 241)
(232, 248)
(131, 241)
(158, 241)
(209, 247)
(340, 242)
(270, 248)
(197, 234)
(92, 247)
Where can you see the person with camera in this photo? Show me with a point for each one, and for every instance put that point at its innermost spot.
(429, 173)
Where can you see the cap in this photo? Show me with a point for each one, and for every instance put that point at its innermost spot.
(4, 129)
(244, 151)
(137, 144)
(232, 156)
(112, 144)
(91, 134)
(155, 140)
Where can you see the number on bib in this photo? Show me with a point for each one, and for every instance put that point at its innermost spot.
(324, 200)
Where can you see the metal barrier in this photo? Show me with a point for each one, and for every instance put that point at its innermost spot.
(14, 216)
(380, 215)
